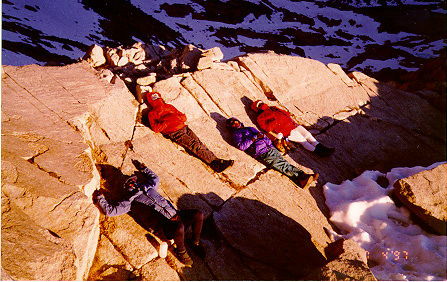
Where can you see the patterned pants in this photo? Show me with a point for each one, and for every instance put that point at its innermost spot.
(275, 160)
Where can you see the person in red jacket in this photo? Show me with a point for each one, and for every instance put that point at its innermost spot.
(169, 121)
(280, 125)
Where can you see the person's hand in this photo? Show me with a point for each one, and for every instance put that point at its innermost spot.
(138, 165)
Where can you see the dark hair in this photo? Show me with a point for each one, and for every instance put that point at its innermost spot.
(230, 122)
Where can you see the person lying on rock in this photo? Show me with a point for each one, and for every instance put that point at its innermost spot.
(146, 205)
(280, 125)
(259, 146)
(165, 118)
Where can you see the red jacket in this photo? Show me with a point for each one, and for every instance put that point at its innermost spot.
(165, 118)
(276, 120)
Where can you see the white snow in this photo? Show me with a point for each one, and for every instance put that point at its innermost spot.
(397, 249)
(70, 20)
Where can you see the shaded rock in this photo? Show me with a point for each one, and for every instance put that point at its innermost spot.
(189, 57)
(425, 195)
(348, 263)
(293, 250)
(430, 76)
(112, 57)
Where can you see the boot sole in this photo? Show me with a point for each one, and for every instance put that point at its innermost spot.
(311, 180)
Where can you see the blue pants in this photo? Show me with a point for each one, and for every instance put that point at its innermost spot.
(273, 159)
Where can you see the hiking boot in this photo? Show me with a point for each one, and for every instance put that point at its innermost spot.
(183, 257)
(219, 165)
(323, 151)
(305, 181)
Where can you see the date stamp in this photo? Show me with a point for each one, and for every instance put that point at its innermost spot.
(393, 255)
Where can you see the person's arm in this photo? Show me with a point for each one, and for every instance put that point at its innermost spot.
(287, 115)
(181, 116)
(157, 124)
(242, 141)
(108, 209)
(153, 179)
(266, 122)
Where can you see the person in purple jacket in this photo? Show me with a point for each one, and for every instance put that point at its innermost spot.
(259, 146)
(148, 207)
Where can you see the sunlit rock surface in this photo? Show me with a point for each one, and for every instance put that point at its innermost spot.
(69, 130)
(425, 195)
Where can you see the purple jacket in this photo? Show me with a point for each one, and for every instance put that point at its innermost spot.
(243, 140)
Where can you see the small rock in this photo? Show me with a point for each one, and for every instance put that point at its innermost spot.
(112, 57)
(107, 75)
(383, 181)
(141, 91)
(147, 80)
(123, 61)
(189, 57)
(95, 56)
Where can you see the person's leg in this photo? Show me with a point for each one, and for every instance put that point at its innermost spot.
(186, 138)
(303, 137)
(193, 217)
(274, 159)
(318, 148)
(179, 236)
(174, 230)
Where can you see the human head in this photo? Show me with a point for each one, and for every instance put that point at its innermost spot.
(152, 97)
(233, 123)
(259, 106)
(131, 183)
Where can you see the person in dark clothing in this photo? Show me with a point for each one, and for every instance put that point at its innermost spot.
(147, 206)
(259, 146)
(280, 125)
(165, 118)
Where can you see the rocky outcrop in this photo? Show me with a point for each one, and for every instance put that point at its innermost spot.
(347, 262)
(425, 195)
(69, 130)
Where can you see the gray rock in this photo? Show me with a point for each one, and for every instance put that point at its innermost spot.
(425, 195)
(348, 263)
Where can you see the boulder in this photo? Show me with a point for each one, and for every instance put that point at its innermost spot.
(425, 194)
(189, 57)
(112, 57)
(147, 80)
(208, 57)
(348, 263)
(95, 56)
(48, 223)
